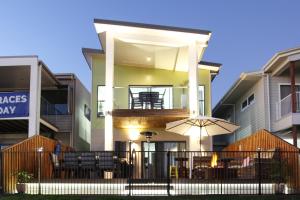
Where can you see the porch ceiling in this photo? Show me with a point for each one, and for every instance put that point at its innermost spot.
(127, 118)
(149, 45)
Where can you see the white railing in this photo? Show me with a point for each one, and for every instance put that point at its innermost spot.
(284, 106)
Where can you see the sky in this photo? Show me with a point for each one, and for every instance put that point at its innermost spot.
(245, 34)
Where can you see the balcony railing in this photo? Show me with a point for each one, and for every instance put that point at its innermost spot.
(149, 97)
(56, 114)
(284, 106)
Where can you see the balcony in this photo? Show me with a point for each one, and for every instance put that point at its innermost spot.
(284, 116)
(284, 106)
(151, 101)
(57, 115)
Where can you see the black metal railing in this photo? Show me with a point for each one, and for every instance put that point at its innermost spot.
(153, 172)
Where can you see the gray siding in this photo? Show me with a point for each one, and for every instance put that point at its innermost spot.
(253, 117)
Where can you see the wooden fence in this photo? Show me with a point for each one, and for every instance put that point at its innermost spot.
(265, 141)
(24, 156)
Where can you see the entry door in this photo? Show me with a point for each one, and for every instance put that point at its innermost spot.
(148, 160)
(154, 158)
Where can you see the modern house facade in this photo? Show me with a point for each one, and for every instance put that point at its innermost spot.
(143, 77)
(265, 99)
(36, 101)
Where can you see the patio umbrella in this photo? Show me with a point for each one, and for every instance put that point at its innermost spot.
(205, 126)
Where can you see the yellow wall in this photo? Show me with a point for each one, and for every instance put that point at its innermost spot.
(125, 75)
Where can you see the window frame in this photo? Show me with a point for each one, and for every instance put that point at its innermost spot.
(247, 102)
(97, 101)
(199, 100)
(284, 84)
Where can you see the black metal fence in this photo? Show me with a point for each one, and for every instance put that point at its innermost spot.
(153, 172)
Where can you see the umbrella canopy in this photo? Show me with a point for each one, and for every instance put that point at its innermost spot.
(205, 126)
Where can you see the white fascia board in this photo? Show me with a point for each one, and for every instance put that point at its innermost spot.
(18, 61)
(152, 36)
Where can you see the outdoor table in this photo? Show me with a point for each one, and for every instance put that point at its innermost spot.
(148, 98)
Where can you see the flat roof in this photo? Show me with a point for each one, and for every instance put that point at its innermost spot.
(152, 26)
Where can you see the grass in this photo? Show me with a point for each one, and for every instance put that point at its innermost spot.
(211, 197)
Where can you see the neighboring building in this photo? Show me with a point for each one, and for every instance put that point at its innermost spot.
(145, 76)
(33, 101)
(266, 99)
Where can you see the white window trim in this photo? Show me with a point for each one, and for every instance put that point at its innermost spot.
(279, 85)
(247, 100)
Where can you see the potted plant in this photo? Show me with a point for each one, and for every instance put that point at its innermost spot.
(23, 177)
(278, 175)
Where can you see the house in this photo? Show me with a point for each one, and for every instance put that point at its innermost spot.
(265, 99)
(35, 101)
(144, 76)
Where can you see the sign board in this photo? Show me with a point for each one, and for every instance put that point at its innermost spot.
(14, 104)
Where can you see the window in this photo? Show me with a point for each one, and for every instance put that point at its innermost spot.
(87, 112)
(201, 100)
(244, 105)
(120, 149)
(285, 90)
(249, 101)
(100, 100)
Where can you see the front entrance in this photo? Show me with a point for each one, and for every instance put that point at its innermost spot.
(154, 159)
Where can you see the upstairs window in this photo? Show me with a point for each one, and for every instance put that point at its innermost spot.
(247, 102)
(244, 104)
(201, 100)
(285, 90)
(251, 99)
(87, 112)
(100, 100)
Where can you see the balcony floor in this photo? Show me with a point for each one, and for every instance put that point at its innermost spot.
(147, 118)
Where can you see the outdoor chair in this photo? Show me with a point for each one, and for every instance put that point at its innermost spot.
(135, 101)
(105, 162)
(159, 102)
(87, 164)
(56, 165)
(70, 164)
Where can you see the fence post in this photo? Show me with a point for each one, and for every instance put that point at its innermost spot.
(130, 169)
(259, 171)
(39, 150)
(1, 173)
(168, 173)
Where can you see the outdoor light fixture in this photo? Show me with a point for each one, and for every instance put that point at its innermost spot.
(40, 149)
(148, 135)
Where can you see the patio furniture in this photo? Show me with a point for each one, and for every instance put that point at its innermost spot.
(87, 164)
(182, 169)
(148, 99)
(70, 164)
(105, 162)
(159, 103)
(173, 171)
(56, 165)
(135, 101)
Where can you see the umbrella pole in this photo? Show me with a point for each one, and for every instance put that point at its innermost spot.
(200, 137)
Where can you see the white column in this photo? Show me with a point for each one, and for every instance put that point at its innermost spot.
(193, 81)
(193, 93)
(34, 99)
(109, 82)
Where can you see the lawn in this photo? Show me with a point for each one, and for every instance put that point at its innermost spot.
(214, 197)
